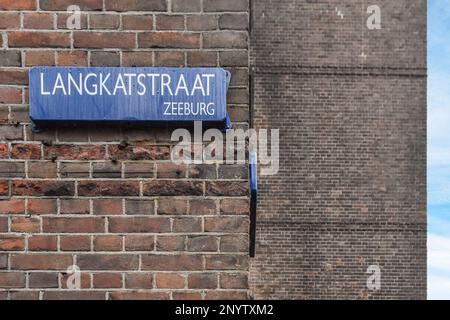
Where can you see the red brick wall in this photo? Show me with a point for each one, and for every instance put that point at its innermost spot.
(108, 199)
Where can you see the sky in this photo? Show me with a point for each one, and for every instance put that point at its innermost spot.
(439, 149)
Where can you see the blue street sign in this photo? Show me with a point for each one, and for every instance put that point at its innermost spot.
(149, 95)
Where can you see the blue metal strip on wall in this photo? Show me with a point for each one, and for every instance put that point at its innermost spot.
(153, 95)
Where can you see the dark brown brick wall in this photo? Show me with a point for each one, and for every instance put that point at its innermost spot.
(109, 199)
(351, 191)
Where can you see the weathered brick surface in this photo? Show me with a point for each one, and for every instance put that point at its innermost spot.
(351, 190)
(109, 199)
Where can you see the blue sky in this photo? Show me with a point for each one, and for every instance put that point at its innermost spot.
(439, 149)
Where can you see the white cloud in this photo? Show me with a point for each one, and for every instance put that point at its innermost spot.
(438, 267)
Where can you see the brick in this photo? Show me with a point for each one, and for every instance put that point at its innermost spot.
(42, 243)
(227, 188)
(3, 261)
(170, 281)
(24, 295)
(186, 5)
(234, 243)
(12, 169)
(139, 207)
(234, 207)
(239, 76)
(201, 59)
(13, 76)
(236, 224)
(73, 295)
(238, 96)
(18, 5)
(10, 58)
(40, 261)
(75, 243)
(172, 207)
(9, 20)
(72, 58)
(108, 262)
(167, 40)
(10, 95)
(74, 206)
(105, 59)
(203, 281)
(235, 58)
(169, 58)
(3, 224)
(73, 225)
(168, 170)
(226, 262)
(225, 39)
(137, 22)
(229, 5)
(188, 295)
(62, 5)
(37, 21)
(12, 280)
(108, 188)
(13, 206)
(68, 134)
(234, 21)
(173, 188)
(4, 188)
(25, 224)
(137, 59)
(107, 280)
(139, 225)
(201, 22)
(176, 262)
(42, 206)
(99, 134)
(11, 243)
(26, 151)
(204, 171)
(170, 22)
(101, 40)
(74, 169)
(233, 172)
(41, 169)
(43, 188)
(170, 243)
(108, 243)
(136, 5)
(74, 152)
(139, 243)
(32, 39)
(40, 58)
(18, 114)
(4, 151)
(104, 21)
(226, 295)
(139, 170)
(139, 295)
(139, 281)
(107, 169)
(107, 206)
(202, 244)
(64, 21)
(43, 280)
(139, 152)
(85, 280)
(187, 224)
(233, 280)
(203, 207)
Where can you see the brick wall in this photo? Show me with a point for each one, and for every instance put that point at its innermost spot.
(351, 106)
(108, 199)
